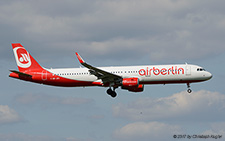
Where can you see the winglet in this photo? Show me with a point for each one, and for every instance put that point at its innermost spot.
(79, 58)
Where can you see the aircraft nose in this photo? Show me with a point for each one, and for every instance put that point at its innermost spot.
(208, 75)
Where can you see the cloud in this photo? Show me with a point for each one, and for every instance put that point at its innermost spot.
(163, 131)
(147, 131)
(27, 137)
(48, 100)
(217, 128)
(199, 106)
(8, 115)
(149, 28)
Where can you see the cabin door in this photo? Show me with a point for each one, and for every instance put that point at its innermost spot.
(188, 70)
(44, 75)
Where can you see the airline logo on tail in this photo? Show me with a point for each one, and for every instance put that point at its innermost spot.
(22, 57)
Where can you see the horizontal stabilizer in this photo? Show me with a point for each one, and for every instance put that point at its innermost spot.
(20, 73)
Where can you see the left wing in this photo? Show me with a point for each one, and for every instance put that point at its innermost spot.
(105, 76)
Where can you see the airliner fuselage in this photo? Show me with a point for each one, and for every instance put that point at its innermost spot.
(158, 74)
(131, 78)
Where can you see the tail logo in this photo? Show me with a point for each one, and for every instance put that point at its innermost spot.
(22, 57)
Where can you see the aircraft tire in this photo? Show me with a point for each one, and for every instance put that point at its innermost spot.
(189, 90)
(113, 94)
(109, 91)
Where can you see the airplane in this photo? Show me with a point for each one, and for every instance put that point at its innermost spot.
(131, 78)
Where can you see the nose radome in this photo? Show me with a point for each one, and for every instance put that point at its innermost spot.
(208, 75)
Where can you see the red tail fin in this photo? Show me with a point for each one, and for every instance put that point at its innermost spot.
(24, 60)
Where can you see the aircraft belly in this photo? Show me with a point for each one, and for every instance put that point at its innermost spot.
(169, 79)
(82, 78)
(163, 79)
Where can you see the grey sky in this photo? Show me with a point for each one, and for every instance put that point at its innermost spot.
(106, 33)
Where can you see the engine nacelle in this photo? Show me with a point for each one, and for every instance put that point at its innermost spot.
(140, 88)
(130, 82)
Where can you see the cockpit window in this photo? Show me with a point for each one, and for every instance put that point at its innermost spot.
(200, 69)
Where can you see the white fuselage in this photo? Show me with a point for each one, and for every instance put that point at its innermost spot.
(149, 74)
(131, 78)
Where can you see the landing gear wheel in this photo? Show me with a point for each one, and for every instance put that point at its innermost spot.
(188, 86)
(111, 93)
(189, 90)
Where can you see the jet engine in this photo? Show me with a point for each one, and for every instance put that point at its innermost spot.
(132, 84)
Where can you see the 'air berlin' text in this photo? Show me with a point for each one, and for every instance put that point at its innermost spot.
(173, 71)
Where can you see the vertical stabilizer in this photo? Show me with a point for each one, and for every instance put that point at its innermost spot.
(24, 60)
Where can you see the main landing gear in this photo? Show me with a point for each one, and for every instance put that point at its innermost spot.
(188, 86)
(111, 92)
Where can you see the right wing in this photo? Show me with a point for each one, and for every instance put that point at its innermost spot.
(105, 76)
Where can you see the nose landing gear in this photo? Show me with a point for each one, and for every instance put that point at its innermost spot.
(188, 86)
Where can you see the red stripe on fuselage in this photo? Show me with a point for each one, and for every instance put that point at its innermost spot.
(170, 82)
(48, 78)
